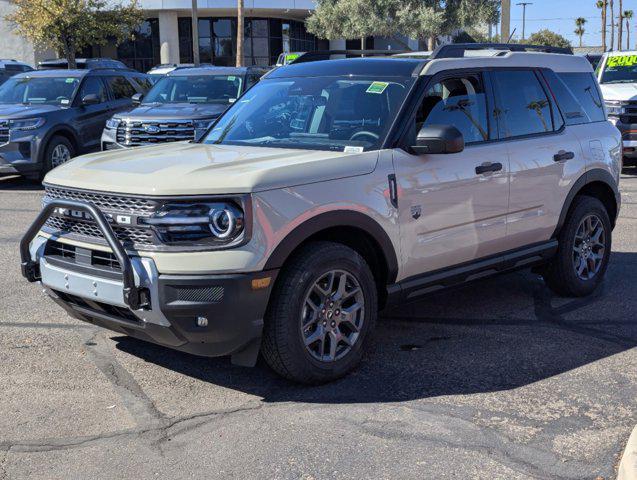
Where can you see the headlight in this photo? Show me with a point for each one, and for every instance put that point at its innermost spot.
(215, 223)
(113, 123)
(26, 124)
(614, 108)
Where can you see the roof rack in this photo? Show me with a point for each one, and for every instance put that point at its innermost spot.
(457, 50)
(317, 55)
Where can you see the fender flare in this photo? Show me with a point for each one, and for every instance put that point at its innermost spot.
(594, 175)
(65, 129)
(336, 218)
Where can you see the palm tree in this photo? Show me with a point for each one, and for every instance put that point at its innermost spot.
(579, 31)
(612, 25)
(628, 15)
(620, 32)
(602, 5)
(240, 33)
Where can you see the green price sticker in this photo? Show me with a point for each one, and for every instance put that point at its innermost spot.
(232, 79)
(377, 87)
(70, 80)
(622, 61)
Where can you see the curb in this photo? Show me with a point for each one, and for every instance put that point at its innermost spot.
(628, 465)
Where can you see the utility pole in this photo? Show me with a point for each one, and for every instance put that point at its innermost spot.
(505, 21)
(523, 5)
(195, 33)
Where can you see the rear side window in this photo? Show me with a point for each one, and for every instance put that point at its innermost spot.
(523, 106)
(93, 86)
(583, 87)
(120, 87)
(144, 83)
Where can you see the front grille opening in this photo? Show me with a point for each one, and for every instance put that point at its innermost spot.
(96, 258)
(82, 228)
(105, 259)
(98, 307)
(134, 133)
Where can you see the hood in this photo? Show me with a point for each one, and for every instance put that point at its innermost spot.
(198, 169)
(27, 111)
(619, 91)
(176, 111)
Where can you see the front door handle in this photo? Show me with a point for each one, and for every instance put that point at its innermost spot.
(563, 155)
(488, 168)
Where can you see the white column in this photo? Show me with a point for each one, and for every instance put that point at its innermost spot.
(168, 37)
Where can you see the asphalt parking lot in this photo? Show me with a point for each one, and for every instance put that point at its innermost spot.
(497, 380)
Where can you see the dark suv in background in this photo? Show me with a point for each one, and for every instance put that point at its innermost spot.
(180, 106)
(82, 64)
(49, 116)
(9, 68)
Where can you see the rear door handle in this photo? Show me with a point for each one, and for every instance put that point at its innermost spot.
(488, 168)
(563, 155)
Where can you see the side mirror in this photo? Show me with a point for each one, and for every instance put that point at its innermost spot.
(137, 99)
(90, 99)
(433, 139)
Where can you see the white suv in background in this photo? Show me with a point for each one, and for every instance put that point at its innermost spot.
(328, 190)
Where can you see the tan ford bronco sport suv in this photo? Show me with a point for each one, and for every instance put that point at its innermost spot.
(332, 189)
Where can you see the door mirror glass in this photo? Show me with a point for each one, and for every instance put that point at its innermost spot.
(436, 139)
(90, 99)
(137, 99)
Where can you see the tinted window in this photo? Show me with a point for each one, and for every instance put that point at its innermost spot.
(144, 83)
(458, 101)
(39, 90)
(571, 108)
(523, 107)
(120, 87)
(620, 69)
(584, 88)
(222, 89)
(93, 86)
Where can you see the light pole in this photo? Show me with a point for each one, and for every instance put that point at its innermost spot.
(524, 4)
(195, 34)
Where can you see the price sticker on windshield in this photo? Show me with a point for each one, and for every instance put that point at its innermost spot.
(377, 87)
(622, 61)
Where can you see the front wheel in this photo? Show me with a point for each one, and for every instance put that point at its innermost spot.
(58, 151)
(321, 314)
(584, 250)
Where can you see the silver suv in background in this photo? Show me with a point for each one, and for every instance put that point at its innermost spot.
(331, 189)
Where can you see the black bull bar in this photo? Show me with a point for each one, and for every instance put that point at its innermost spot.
(133, 296)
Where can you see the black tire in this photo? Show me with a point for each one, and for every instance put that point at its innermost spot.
(47, 161)
(283, 344)
(561, 274)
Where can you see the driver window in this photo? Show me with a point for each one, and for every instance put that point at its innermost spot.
(458, 101)
(93, 85)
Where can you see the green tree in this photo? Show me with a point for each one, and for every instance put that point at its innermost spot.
(579, 31)
(603, 6)
(628, 15)
(71, 25)
(549, 38)
(420, 19)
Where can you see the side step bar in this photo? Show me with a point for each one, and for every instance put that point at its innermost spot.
(415, 287)
(134, 297)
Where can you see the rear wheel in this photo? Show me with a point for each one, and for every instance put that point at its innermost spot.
(321, 314)
(58, 151)
(584, 250)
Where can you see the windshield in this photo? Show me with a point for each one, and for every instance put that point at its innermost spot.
(194, 89)
(620, 69)
(40, 90)
(322, 113)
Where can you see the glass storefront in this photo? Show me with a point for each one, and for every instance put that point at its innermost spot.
(142, 52)
(264, 40)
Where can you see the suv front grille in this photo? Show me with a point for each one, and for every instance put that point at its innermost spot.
(70, 253)
(104, 201)
(133, 133)
(90, 231)
(4, 132)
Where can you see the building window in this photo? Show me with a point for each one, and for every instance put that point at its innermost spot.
(142, 52)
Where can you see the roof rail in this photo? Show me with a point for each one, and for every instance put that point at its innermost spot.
(317, 55)
(457, 50)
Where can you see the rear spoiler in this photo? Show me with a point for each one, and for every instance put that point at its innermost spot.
(457, 50)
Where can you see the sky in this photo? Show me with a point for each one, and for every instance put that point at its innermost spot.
(560, 15)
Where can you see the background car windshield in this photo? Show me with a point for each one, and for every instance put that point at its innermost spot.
(322, 113)
(193, 89)
(620, 69)
(44, 90)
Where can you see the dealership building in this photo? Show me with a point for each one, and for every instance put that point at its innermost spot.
(271, 27)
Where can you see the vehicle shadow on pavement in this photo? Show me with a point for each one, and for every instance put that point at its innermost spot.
(15, 183)
(493, 335)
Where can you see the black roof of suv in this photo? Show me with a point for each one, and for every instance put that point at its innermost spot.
(82, 64)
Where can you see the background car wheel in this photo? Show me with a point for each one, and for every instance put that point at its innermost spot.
(584, 250)
(321, 314)
(59, 150)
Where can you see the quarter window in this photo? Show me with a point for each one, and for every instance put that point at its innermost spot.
(583, 86)
(457, 101)
(120, 87)
(523, 107)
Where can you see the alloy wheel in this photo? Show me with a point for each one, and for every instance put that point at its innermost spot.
(61, 154)
(589, 247)
(332, 316)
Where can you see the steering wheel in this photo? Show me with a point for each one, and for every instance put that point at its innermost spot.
(365, 133)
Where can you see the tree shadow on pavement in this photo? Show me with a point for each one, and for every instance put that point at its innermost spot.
(493, 335)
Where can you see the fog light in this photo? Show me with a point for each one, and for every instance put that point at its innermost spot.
(202, 322)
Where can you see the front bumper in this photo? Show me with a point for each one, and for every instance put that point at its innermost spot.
(21, 154)
(629, 140)
(208, 315)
